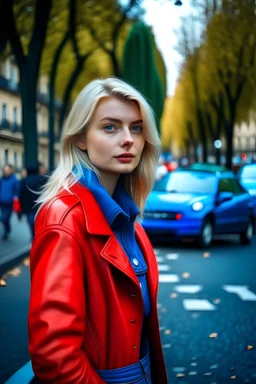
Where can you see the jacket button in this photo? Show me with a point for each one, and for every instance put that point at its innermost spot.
(133, 295)
(135, 346)
(133, 321)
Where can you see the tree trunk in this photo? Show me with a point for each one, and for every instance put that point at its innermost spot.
(70, 86)
(51, 105)
(29, 120)
(115, 65)
(229, 129)
(201, 127)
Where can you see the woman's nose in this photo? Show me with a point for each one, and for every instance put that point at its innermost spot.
(127, 139)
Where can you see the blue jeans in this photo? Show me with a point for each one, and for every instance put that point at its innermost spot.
(6, 211)
(31, 222)
(138, 373)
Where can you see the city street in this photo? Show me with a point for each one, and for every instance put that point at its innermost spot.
(207, 302)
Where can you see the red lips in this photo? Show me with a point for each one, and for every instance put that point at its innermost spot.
(125, 155)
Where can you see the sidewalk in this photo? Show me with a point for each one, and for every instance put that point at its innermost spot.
(17, 246)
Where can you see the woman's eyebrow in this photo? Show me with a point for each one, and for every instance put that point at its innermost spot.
(120, 121)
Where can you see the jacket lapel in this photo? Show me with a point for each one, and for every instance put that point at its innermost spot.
(96, 224)
(150, 258)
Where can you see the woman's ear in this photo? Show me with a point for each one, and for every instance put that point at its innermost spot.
(80, 142)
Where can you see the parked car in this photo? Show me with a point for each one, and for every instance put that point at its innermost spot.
(247, 177)
(199, 204)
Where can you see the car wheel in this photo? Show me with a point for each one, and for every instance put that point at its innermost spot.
(206, 234)
(246, 237)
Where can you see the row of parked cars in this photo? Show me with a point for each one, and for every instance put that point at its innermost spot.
(201, 201)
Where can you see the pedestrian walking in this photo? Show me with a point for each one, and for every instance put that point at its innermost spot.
(30, 186)
(9, 190)
(94, 278)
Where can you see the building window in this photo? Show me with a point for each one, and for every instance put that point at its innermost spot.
(6, 156)
(15, 160)
(4, 112)
(15, 115)
(12, 78)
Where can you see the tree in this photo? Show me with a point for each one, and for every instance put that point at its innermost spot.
(28, 65)
(139, 67)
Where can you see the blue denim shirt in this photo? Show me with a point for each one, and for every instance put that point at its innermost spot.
(121, 212)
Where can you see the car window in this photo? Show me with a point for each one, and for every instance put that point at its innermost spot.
(230, 185)
(248, 172)
(187, 182)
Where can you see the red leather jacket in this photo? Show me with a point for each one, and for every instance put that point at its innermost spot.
(86, 309)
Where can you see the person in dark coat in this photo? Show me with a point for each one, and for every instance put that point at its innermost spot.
(9, 189)
(29, 186)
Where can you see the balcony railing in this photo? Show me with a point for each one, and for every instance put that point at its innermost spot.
(10, 126)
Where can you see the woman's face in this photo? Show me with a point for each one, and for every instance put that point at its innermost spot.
(114, 139)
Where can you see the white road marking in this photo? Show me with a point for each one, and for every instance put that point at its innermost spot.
(169, 278)
(242, 291)
(172, 256)
(188, 288)
(160, 259)
(164, 267)
(198, 305)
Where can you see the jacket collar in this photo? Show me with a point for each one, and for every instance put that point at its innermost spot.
(96, 224)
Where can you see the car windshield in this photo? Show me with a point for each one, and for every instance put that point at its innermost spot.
(187, 182)
(248, 172)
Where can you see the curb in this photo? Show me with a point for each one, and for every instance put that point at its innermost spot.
(11, 259)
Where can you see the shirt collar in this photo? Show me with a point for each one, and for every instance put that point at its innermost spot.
(119, 205)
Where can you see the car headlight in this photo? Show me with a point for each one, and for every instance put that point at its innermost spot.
(197, 206)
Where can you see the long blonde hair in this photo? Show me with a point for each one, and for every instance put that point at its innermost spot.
(140, 182)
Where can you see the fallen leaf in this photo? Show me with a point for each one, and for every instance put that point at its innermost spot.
(216, 301)
(173, 295)
(213, 335)
(2, 283)
(14, 272)
(26, 261)
(233, 377)
(180, 375)
(167, 331)
(249, 347)
(185, 275)
(206, 254)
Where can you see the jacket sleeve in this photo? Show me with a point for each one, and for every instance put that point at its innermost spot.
(57, 310)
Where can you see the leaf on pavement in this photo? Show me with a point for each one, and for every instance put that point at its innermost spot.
(213, 335)
(216, 301)
(2, 283)
(173, 295)
(233, 377)
(249, 347)
(179, 375)
(14, 272)
(185, 275)
(26, 261)
(206, 254)
(167, 331)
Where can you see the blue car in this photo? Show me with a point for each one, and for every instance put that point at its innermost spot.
(247, 177)
(199, 204)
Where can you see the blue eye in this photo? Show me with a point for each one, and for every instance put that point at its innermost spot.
(109, 128)
(136, 129)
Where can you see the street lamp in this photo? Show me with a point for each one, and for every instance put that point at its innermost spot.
(217, 144)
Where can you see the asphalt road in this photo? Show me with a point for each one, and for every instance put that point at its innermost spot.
(207, 308)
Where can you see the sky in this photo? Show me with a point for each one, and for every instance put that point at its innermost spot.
(165, 18)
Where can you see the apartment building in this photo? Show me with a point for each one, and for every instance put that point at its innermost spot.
(11, 137)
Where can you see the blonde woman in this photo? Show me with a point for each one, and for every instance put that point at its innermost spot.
(94, 278)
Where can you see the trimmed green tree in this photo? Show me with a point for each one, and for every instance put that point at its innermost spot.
(139, 67)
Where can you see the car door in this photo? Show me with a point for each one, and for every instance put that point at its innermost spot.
(232, 215)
